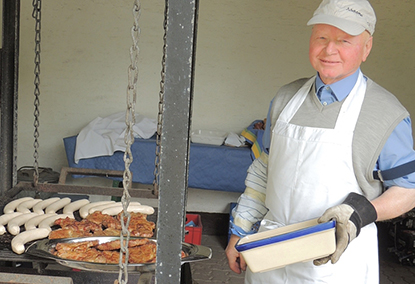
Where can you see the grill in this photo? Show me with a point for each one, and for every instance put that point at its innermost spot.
(18, 268)
(173, 162)
(21, 267)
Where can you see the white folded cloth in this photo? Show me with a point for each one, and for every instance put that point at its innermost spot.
(104, 136)
(235, 140)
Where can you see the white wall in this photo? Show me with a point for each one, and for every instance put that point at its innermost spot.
(245, 51)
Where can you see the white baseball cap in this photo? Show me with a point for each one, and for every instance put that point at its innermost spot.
(351, 16)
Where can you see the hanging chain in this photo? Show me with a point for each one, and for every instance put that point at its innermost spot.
(160, 110)
(129, 140)
(37, 4)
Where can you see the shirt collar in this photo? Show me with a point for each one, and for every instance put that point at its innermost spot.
(341, 88)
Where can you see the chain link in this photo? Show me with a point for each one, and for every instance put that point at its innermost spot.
(160, 109)
(129, 140)
(37, 5)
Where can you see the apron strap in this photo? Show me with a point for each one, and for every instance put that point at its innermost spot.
(395, 172)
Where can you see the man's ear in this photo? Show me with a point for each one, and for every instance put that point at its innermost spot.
(367, 48)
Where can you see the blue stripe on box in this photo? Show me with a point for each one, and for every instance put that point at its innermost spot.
(287, 236)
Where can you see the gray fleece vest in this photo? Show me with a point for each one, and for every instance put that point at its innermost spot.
(381, 112)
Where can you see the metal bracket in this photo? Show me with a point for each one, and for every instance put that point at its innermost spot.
(82, 189)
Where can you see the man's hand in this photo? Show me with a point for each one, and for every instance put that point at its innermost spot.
(235, 260)
(352, 215)
(346, 230)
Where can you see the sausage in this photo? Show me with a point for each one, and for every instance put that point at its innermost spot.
(38, 208)
(119, 204)
(21, 239)
(5, 218)
(50, 221)
(84, 210)
(144, 209)
(73, 206)
(116, 207)
(56, 206)
(14, 224)
(102, 207)
(25, 206)
(35, 221)
(11, 206)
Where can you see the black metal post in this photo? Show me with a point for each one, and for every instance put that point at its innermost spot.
(175, 144)
(8, 94)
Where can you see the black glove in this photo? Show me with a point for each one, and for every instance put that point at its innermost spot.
(352, 215)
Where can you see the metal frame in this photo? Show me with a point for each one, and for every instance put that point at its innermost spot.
(175, 144)
(83, 189)
(174, 150)
(8, 94)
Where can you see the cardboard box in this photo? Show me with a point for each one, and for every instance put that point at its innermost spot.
(193, 234)
(286, 245)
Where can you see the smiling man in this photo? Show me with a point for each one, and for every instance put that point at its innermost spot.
(330, 143)
(337, 54)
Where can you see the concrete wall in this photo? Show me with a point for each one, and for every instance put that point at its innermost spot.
(246, 50)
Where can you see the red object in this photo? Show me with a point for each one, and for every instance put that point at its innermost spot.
(193, 234)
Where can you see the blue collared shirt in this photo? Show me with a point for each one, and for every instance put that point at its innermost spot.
(337, 91)
(397, 150)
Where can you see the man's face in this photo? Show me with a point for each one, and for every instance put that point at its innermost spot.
(336, 54)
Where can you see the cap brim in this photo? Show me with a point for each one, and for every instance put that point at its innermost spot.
(348, 27)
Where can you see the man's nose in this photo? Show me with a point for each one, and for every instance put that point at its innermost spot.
(331, 47)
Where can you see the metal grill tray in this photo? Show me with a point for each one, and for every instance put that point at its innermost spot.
(44, 248)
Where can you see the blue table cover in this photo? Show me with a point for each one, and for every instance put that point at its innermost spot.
(211, 167)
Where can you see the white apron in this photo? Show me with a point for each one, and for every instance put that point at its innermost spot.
(309, 170)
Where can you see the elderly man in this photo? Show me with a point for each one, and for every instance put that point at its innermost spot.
(329, 143)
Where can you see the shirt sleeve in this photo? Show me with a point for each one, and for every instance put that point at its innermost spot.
(251, 209)
(398, 150)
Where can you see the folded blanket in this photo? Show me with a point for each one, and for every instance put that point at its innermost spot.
(254, 137)
(104, 136)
